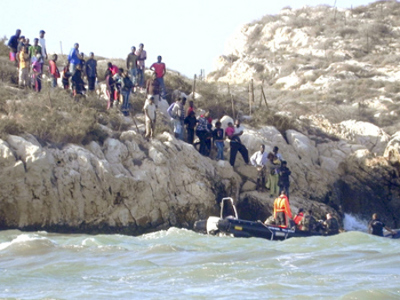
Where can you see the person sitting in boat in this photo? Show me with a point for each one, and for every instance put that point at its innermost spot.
(308, 222)
(331, 225)
(375, 226)
(300, 215)
(282, 212)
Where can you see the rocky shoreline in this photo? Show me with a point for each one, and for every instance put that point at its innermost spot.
(131, 186)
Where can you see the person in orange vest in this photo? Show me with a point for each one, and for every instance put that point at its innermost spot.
(297, 218)
(282, 212)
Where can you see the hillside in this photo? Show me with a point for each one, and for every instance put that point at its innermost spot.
(342, 63)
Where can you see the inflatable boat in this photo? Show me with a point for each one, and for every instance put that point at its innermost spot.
(229, 224)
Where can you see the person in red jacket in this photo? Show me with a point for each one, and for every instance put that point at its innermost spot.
(282, 212)
(160, 69)
(53, 70)
(300, 215)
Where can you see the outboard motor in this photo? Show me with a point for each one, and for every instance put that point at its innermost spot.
(228, 209)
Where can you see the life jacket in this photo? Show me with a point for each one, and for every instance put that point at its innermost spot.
(281, 204)
(298, 218)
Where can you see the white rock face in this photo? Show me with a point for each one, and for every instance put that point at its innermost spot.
(127, 184)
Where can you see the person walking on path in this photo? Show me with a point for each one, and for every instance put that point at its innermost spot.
(142, 56)
(258, 160)
(131, 64)
(160, 69)
(91, 71)
(126, 87)
(153, 89)
(150, 117)
(24, 64)
(53, 71)
(13, 45)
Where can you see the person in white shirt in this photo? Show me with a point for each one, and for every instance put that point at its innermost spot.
(259, 159)
(42, 43)
(278, 155)
(150, 116)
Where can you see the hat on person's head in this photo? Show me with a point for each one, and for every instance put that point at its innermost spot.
(42, 31)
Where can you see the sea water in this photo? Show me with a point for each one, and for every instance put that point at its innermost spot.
(182, 264)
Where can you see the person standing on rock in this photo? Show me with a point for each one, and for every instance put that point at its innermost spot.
(131, 64)
(24, 64)
(277, 155)
(283, 181)
(126, 87)
(13, 45)
(375, 226)
(110, 89)
(91, 72)
(53, 70)
(202, 133)
(190, 122)
(218, 138)
(282, 212)
(258, 160)
(42, 43)
(142, 56)
(234, 133)
(272, 166)
(160, 69)
(153, 89)
(74, 58)
(150, 117)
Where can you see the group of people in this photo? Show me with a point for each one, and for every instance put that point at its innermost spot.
(29, 58)
(305, 222)
(272, 167)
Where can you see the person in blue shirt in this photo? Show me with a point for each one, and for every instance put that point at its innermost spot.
(74, 58)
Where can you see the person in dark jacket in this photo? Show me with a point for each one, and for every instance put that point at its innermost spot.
(375, 226)
(331, 225)
(13, 45)
(190, 122)
(110, 84)
(126, 87)
(284, 182)
(78, 85)
(91, 71)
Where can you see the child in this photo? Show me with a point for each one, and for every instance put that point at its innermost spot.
(78, 85)
(53, 70)
(37, 72)
(66, 76)
(218, 137)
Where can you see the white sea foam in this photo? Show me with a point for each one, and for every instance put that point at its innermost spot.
(24, 239)
(353, 223)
